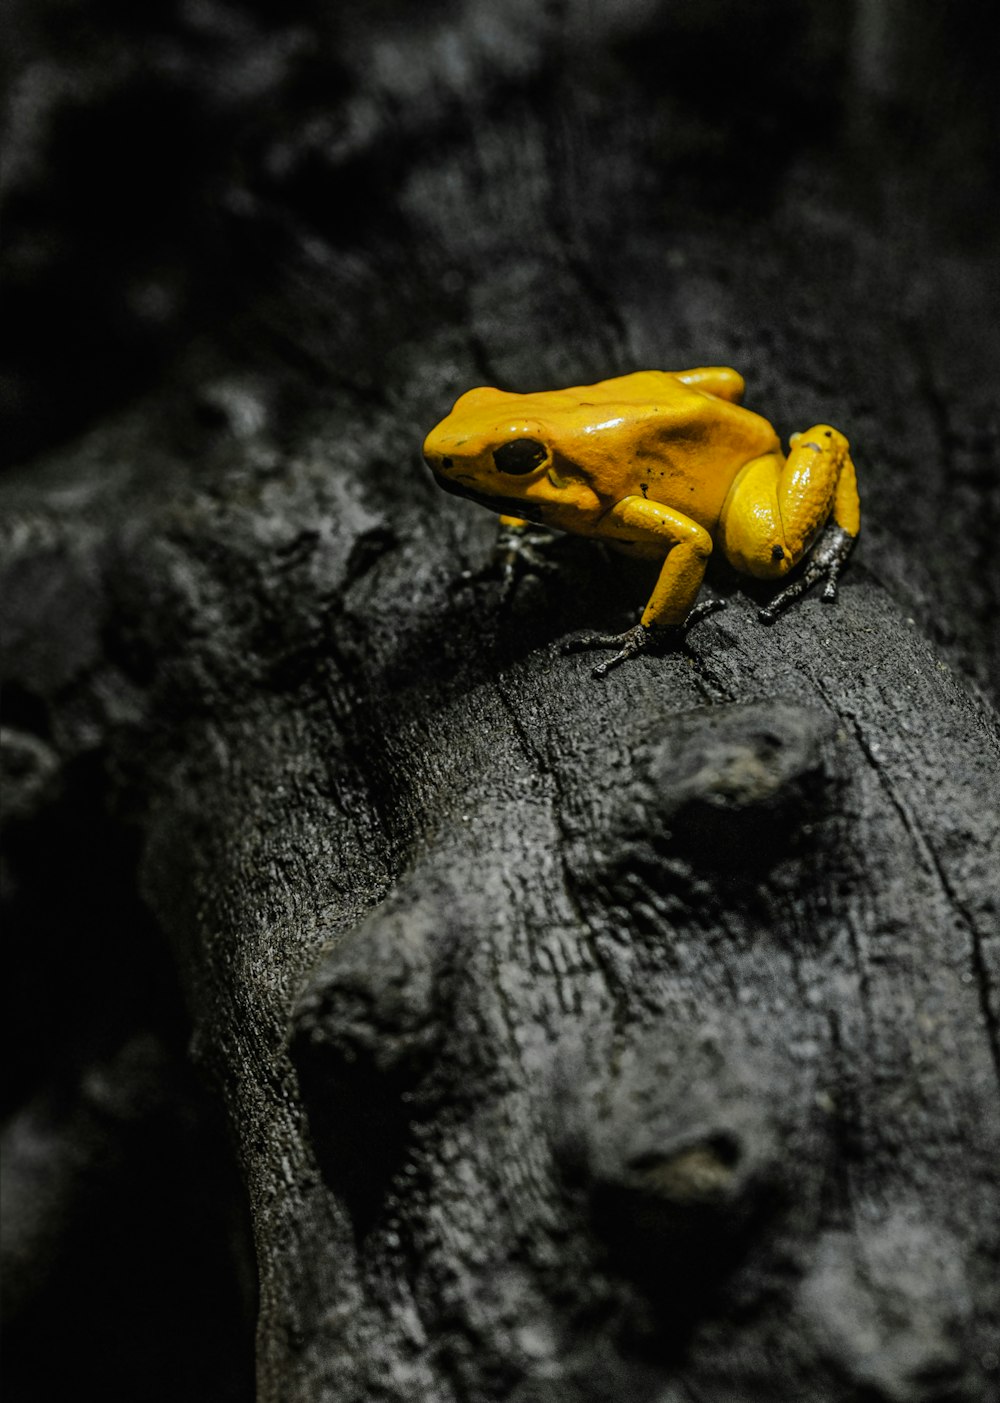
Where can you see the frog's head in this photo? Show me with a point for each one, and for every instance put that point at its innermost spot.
(487, 449)
(492, 449)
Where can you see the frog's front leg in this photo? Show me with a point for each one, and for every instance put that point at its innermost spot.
(777, 507)
(638, 522)
(516, 553)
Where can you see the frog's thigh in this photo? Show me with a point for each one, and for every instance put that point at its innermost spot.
(776, 506)
(750, 529)
(513, 523)
(689, 545)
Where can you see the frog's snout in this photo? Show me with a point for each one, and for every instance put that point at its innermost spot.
(436, 454)
(442, 466)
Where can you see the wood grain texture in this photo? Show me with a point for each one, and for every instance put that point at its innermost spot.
(578, 1040)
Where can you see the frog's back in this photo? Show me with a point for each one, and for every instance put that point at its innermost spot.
(665, 435)
(637, 393)
(649, 386)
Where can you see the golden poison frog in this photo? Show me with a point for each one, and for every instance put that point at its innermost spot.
(665, 464)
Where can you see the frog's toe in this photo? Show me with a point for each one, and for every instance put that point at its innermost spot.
(790, 593)
(580, 642)
(702, 611)
(630, 644)
(643, 638)
(636, 640)
(828, 558)
(518, 552)
(781, 601)
(514, 566)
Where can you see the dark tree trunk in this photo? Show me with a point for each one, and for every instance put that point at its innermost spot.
(578, 1039)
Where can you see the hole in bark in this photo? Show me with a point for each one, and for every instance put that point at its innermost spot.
(360, 1128)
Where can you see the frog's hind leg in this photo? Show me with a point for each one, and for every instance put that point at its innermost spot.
(776, 510)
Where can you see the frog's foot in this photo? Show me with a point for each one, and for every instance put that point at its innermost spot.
(642, 638)
(629, 644)
(826, 561)
(517, 553)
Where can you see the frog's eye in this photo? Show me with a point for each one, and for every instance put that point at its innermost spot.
(520, 455)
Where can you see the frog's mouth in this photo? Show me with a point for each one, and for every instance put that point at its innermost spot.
(504, 506)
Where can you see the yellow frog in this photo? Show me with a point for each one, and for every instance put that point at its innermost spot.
(663, 464)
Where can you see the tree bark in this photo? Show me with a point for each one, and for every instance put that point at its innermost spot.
(578, 1039)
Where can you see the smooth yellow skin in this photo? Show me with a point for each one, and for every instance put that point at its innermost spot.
(665, 464)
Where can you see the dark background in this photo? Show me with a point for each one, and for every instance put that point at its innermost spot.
(203, 196)
(163, 161)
